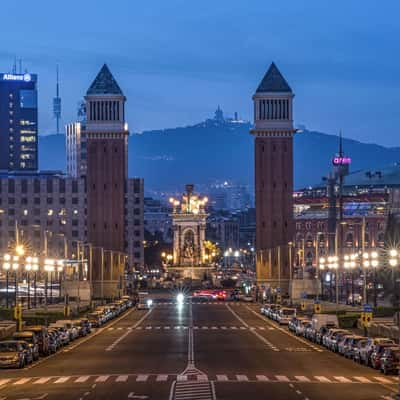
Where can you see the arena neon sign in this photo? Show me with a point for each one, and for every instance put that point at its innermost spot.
(20, 78)
(341, 161)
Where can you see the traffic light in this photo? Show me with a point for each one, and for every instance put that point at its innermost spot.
(317, 308)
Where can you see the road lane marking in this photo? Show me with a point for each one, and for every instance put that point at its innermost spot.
(323, 379)
(42, 380)
(362, 379)
(262, 317)
(302, 379)
(222, 378)
(382, 379)
(82, 379)
(4, 381)
(142, 378)
(122, 378)
(102, 378)
(342, 379)
(22, 381)
(242, 378)
(162, 378)
(122, 337)
(255, 333)
(282, 378)
(262, 378)
(63, 379)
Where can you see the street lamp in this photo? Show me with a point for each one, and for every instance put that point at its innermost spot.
(6, 267)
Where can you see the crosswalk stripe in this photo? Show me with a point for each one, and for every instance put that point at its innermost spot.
(142, 378)
(102, 378)
(262, 378)
(181, 378)
(63, 379)
(4, 381)
(382, 379)
(242, 378)
(243, 327)
(282, 378)
(222, 378)
(122, 378)
(342, 379)
(82, 379)
(139, 327)
(202, 377)
(195, 327)
(271, 328)
(22, 381)
(322, 379)
(110, 329)
(223, 327)
(261, 327)
(362, 379)
(302, 378)
(166, 327)
(162, 378)
(42, 380)
(204, 327)
(149, 327)
(233, 327)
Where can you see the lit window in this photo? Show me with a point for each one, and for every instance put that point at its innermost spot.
(50, 212)
(25, 212)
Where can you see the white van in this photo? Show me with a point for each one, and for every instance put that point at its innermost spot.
(329, 320)
(145, 302)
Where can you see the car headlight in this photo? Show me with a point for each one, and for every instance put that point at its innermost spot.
(180, 297)
(149, 302)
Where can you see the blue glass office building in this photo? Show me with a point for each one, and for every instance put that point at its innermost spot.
(18, 122)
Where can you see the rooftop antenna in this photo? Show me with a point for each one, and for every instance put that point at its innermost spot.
(340, 144)
(20, 65)
(14, 68)
(57, 104)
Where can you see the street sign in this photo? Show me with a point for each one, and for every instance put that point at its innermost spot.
(317, 307)
(367, 308)
(366, 319)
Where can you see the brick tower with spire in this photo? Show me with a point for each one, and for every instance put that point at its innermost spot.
(273, 132)
(107, 137)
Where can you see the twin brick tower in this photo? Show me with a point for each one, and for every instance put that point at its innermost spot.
(273, 132)
(107, 136)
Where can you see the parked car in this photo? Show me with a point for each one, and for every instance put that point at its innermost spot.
(358, 349)
(375, 358)
(54, 343)
(30, 338)
(329, 339)
(27, 350)
(343, 344)
(352, 346)
(390, 360)
(367, 351)
(12, 354)
(293, 323)
(284, 315)
(301, 326)
(70, 326)
(95, 319)
(43, 338)
(63, 332)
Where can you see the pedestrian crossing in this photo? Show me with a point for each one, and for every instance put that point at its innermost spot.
(164, 378)
(196, 327)
(220, 303)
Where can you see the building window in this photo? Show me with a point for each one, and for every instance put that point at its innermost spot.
(61, 184)
(11, 200)
(24, 200)
(11, 186)
(74, 186)
(75, 233)
(36, 200)
(136, 222)
(136, 254)
(136, 186)
(136, 211)
(11, 211)
(49, 185)
(74, 200)
(136, 233)
(75, 222)
(49, 200)
(62, 200)
(36, 186)
(24, 186)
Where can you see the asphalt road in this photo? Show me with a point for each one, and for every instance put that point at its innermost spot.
(195, 351)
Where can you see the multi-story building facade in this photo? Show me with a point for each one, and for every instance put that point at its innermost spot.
(18, 122)
(49, 210)
(368, 198)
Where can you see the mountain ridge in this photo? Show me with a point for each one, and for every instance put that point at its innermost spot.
(222, 150)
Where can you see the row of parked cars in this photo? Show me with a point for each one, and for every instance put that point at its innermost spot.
(380, 353)
(36, 341)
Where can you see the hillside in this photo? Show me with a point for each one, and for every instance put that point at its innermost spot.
(213, 150)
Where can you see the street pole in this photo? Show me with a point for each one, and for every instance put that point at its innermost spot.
(16, 289)
(279, 267)
(35, 289)
(7, 285)
(29, 289)
(362, 257)
(102, 274)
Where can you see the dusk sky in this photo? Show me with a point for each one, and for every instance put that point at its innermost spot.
(176, 60)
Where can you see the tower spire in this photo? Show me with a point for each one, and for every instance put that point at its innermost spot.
(57, 102)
